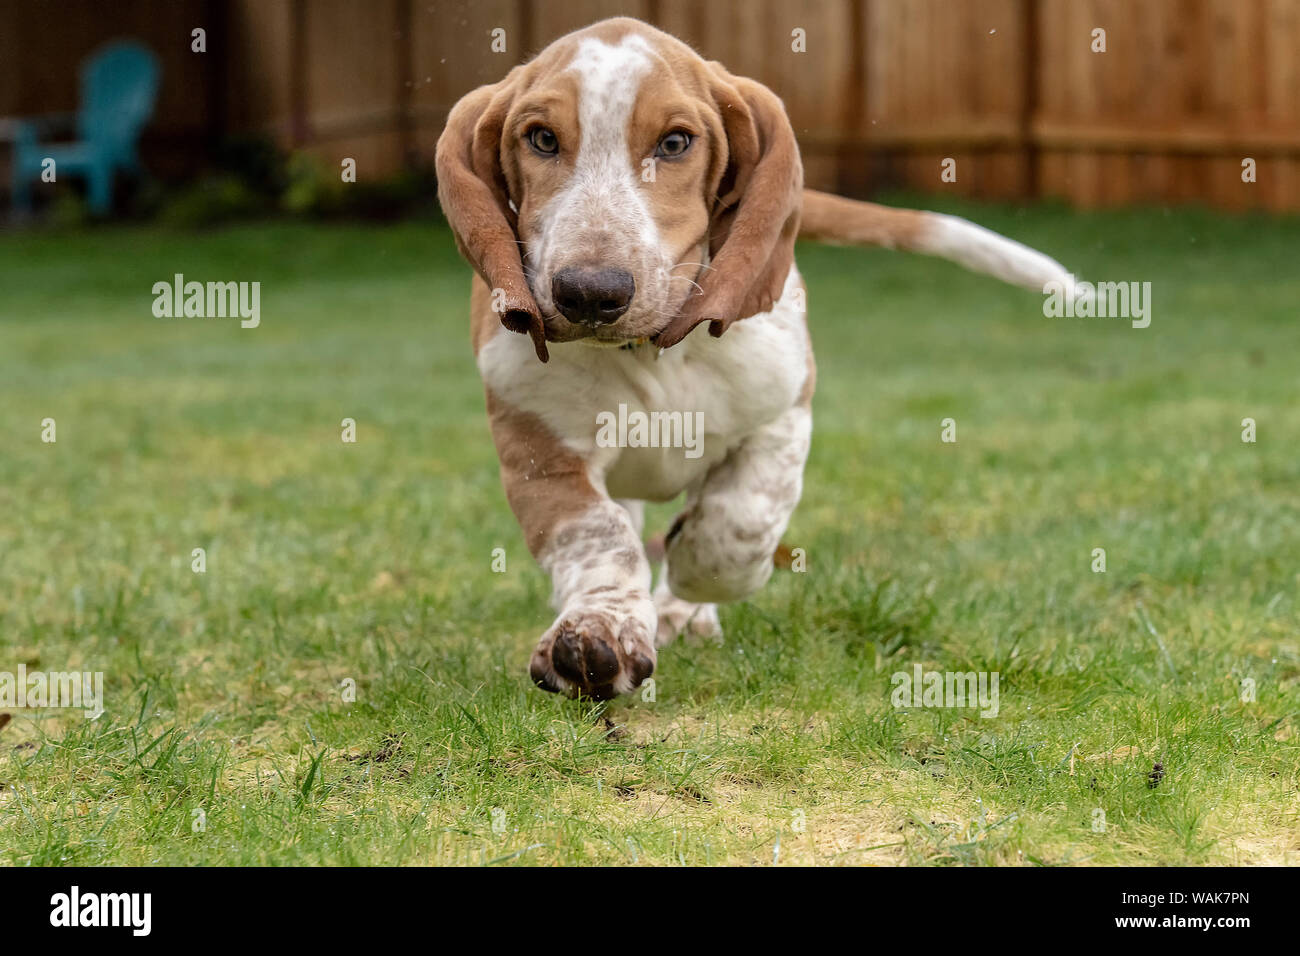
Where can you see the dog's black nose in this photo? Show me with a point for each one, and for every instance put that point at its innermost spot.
(592, 296)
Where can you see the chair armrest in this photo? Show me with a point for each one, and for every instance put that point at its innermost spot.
(29, 131)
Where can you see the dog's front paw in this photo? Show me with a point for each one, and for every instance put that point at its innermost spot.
(596, 654)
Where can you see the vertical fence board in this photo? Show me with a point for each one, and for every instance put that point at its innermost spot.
(451, 54)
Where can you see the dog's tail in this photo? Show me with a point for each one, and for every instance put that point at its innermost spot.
(834, 219)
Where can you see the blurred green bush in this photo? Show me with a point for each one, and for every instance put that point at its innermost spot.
(252, 178)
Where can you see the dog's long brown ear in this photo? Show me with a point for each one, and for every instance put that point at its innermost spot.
(755, 218)
(472, 190)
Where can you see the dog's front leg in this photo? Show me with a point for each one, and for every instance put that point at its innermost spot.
(602, 642)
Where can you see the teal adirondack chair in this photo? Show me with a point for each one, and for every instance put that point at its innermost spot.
(119, 86)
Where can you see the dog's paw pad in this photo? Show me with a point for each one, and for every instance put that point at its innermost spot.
(593, 655)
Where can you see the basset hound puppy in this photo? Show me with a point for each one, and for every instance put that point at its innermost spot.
(612, 194)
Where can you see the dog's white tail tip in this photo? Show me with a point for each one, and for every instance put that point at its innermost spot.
(982, 250)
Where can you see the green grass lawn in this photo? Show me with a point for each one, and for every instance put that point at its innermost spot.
(226, 737)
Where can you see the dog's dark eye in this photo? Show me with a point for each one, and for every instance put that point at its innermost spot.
(544, 141)
(673, 145)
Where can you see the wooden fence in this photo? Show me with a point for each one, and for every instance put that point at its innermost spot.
(1012, 90)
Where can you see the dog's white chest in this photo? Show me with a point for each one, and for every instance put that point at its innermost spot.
(651, 423)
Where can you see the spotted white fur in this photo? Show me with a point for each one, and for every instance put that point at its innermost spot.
(721, 547)
(600, 582)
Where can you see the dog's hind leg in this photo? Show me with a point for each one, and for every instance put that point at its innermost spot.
(675, 615)
(720, 547)
(679, 616)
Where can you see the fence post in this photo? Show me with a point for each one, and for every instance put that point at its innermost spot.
(1029, 98)
(852, 174)
(299, 122)
(405, 83)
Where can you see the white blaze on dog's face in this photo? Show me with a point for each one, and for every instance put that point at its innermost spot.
(612, 158)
